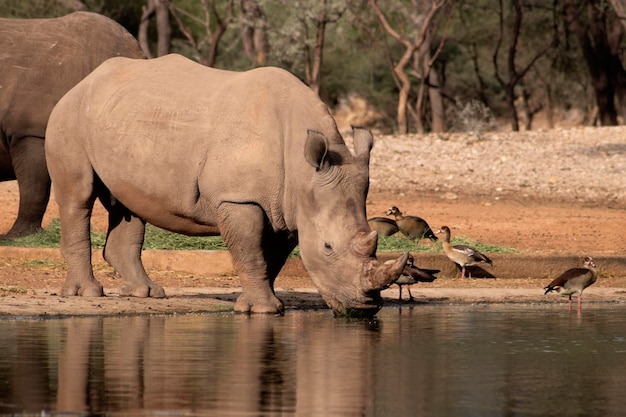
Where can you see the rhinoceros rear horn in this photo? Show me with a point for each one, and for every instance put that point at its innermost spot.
(382, 276)
(365, 244)
(363, 143)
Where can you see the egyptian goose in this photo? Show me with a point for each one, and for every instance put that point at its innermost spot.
(461, 255)
(574, 281)
(412, 275)
(412, 226)
(383, 225)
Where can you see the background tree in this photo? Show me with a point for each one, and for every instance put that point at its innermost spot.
(414, 35)
(299, 35)
(159, 9)
(33, 9)
(253, 27)
(204, 33)
(342, 48)
(514, 75)
(599, 36)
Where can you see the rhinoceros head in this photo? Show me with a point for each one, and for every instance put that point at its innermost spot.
(337, 247)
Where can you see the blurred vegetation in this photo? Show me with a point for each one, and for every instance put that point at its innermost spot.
(466, 41)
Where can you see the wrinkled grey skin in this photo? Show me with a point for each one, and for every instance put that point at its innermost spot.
(253, 156)
(40, 60)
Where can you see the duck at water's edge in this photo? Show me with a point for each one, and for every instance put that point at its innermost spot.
(412, 275)
(574, 281)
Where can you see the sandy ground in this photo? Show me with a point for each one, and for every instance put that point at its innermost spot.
(537, 215)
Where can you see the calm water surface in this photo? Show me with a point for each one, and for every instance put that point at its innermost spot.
(422, 361)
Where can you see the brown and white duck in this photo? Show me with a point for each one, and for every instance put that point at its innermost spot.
(461, 255)
(574, 281)
(412, 275)
(412, 226)
(384, 226)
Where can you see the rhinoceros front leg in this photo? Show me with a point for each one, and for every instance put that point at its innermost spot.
(123, 252)
(29, 166)
(245, 231)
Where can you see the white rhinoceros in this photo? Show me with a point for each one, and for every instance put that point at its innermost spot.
(254, 156)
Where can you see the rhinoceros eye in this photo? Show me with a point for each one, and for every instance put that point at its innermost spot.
(328, 248)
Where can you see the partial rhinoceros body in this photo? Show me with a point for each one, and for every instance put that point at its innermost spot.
(40, 60)
(254, 156)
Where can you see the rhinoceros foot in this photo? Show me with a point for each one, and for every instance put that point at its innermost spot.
(23, 229)
(141, 290)
(247, 303)
(90, 289)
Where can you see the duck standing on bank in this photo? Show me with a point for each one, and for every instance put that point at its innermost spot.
(461, 255)
(413, 227)
(412, 275)
(574, 281)
(383, 226)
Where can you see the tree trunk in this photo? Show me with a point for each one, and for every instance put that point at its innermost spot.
(620, 9)
(318, 51)
(438, 122)
(164, 30)
(419, 109)
(399, 69)
(429, 87)
(514, 76)
(144, 24)
(403, 100)
(253, 31)
(510, 101)
(600, 60)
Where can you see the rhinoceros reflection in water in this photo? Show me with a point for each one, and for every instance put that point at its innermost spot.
(227, 366)
(253, 156)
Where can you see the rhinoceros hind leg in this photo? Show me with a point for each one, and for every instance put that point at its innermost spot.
(257, 253)
(122, 251)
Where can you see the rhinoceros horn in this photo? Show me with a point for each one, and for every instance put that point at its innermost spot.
(377, 276)
(382, 276)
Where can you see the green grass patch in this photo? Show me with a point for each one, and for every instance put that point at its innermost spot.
(43, 263)
(161, 239)
(46, 238)
(397, 243)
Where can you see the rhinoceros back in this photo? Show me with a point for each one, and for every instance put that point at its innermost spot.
(150, 126)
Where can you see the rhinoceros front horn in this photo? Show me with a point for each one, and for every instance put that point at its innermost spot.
(382, 276)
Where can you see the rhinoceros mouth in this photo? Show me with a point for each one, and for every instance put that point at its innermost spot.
(357, 313)
(365, 306)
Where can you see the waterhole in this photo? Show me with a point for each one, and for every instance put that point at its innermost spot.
(423, 361)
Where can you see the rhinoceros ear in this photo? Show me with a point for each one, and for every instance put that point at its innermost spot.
(315, 148)
(363, 143)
